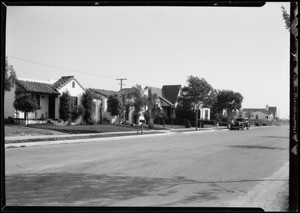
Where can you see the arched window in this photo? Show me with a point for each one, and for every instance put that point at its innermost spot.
(73, 84)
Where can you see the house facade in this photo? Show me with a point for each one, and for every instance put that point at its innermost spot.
(267, 113)
(100, 97)
(47, 95)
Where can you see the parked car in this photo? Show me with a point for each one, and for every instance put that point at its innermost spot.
(240, 123)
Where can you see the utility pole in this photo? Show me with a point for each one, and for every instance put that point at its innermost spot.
(121, 79)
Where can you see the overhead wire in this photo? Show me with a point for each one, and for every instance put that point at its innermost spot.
(71, 70)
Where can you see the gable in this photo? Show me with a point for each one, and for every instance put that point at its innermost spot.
(72, 85)
(171, 92)
(65, 81)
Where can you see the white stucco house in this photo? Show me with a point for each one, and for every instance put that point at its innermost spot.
(100, 97)
(267, 113)
(47, 95)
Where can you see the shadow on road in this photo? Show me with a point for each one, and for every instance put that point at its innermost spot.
(256, 147)
(62, 189)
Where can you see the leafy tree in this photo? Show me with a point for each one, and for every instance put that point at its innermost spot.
(25, 102)
(153, 109)
(126, 99)
(10, 76)
(227, 100)
(88, 105)
(65, 106)
(198, 93)
(115, 106)
(139, 100)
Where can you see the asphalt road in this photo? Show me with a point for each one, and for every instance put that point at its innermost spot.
(205, 169)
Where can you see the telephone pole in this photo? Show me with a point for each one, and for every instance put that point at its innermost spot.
(121, 79)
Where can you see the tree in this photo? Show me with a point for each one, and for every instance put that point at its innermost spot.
(139, 100)
(65, 106)
(114, 106)
(10, 76)
(88, 105)
(153, 108)
(25, 102)
(198, 93)
(286, 17)
(227, 100)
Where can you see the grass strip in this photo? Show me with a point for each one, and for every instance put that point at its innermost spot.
(76, 137)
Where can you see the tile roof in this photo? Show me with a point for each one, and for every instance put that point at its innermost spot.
(125, 90)
(258, 109)
(265, 111)
(252, 109)
(171, 92)
(37, 87)
(102, 92)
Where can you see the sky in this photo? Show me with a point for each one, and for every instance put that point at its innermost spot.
(244, 49)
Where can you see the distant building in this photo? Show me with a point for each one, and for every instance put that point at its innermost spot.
(267, 113)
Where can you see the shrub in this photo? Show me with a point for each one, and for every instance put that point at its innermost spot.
(64, 106)
(76, 113)
(9, 120)
(106, 121)
(88, 104)
(187, 124)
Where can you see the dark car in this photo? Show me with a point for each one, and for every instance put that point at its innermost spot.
(240, 123)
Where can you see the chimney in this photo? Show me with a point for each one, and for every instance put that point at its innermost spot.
(267, 107)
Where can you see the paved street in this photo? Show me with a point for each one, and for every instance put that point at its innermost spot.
(213, 168)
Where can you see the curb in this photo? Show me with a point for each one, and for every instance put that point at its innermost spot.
(83, 140)
(59, 139)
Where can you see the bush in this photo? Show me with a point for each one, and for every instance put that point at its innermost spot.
(9, 120)
(76, 113)
(187, 124)
(106, 121)
(88, 105)
(49, 121)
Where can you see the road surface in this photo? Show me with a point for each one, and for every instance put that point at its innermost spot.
(204, 169)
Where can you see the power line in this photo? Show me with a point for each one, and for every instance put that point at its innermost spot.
(60, 68)
(70, 70)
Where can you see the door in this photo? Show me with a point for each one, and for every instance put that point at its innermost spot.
(52, 107)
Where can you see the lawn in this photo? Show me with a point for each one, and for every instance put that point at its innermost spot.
(22, 130)
(83, 129)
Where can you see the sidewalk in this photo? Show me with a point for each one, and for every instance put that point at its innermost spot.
(23, 141)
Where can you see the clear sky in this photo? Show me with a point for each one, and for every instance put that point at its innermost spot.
(244, 49)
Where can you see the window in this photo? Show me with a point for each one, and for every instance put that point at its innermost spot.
(256, 116)
(73, 102)
(267, 117)
(73, 84)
